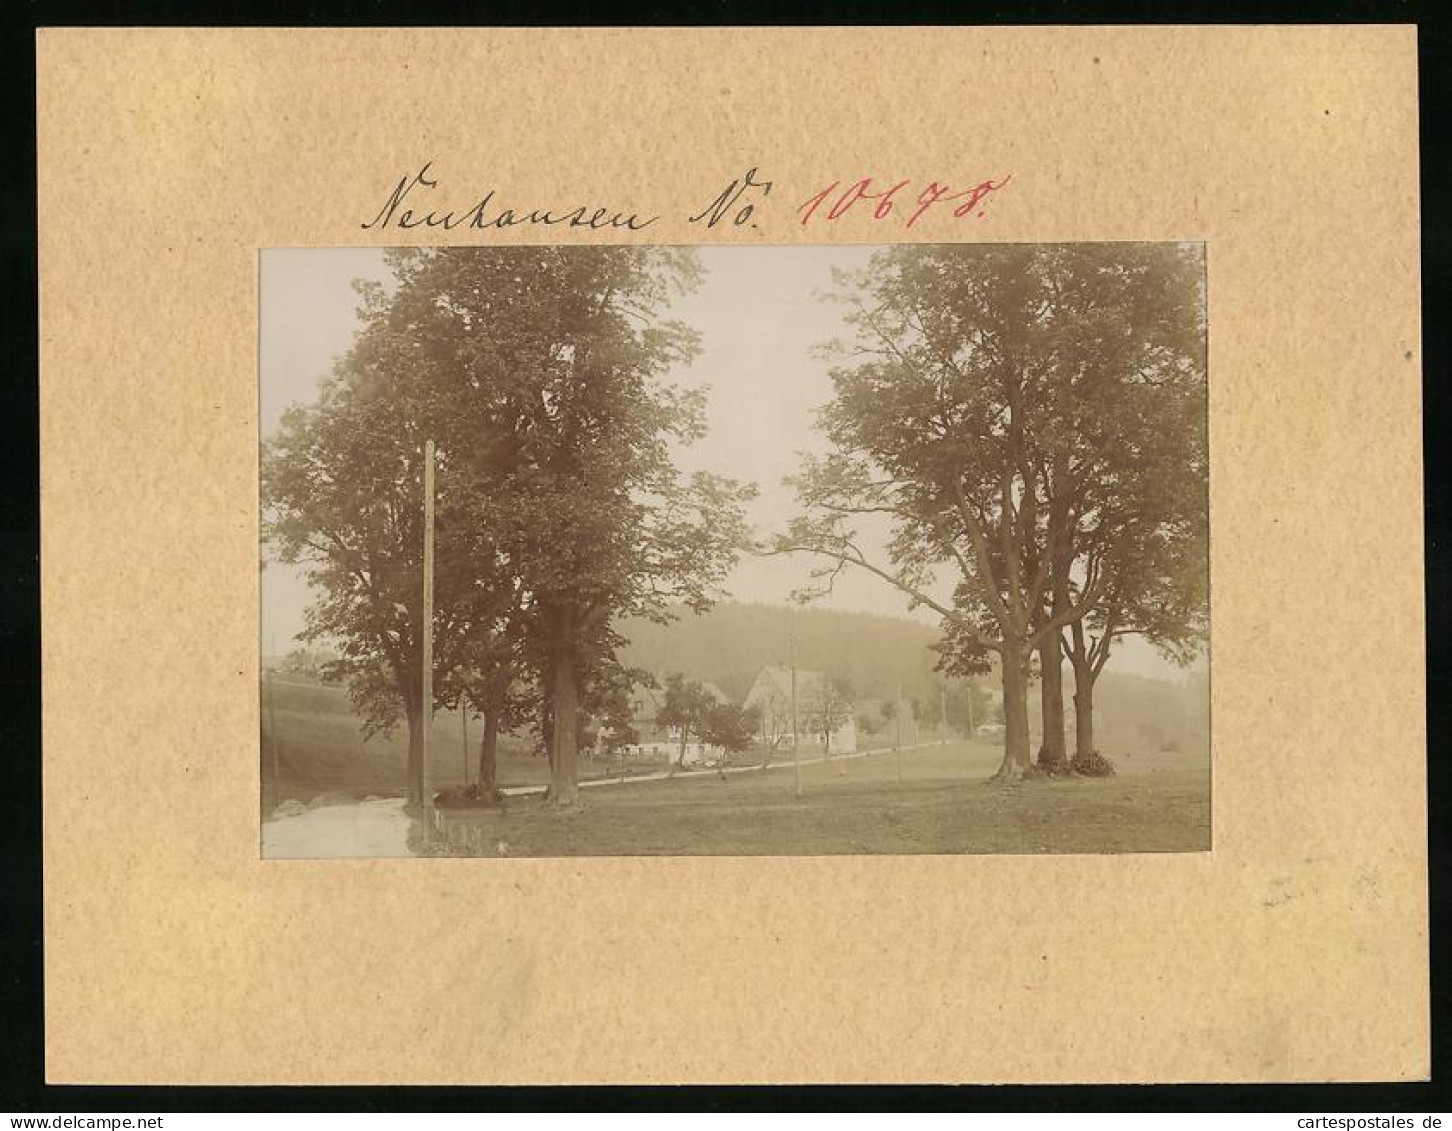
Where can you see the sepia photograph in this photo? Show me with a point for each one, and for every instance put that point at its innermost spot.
(735, 551)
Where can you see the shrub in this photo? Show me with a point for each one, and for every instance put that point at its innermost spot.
(1095, 765)
(468, 797)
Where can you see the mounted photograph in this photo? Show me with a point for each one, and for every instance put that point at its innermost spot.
(735, 551)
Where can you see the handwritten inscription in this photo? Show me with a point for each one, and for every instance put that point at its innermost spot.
(730, 197)
(886, 203)
(411, 190)
(411, 204)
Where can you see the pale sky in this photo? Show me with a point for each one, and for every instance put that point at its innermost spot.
(761, 312)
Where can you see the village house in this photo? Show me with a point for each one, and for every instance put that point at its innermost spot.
(655, 741)
(822, 711)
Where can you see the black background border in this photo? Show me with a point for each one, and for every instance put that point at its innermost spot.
(22, 1086)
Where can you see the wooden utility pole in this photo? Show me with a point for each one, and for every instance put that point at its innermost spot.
(898, 714)
(428, 621)
(943, 708)
(796, 758)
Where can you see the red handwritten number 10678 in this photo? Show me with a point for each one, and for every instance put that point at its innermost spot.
(884, 202)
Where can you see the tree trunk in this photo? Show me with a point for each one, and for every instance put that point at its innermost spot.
(1083, 713)
(547, 715)
(1053, 758)
(414, 714)
(564, 788)
(1015, 713)
(489, 752)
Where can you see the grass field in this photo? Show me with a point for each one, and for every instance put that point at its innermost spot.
(944, 804)
(1158, 802)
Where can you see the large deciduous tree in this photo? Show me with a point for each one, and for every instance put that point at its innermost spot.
(1124, 458)
(976, 414)
(553, 364)
(542, 375)
(341, 484)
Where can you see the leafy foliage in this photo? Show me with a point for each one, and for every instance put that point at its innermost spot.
(541, 375)
(730, 727)
(828, 706)
(1030, 418)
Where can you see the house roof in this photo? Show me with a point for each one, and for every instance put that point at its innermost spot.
(775, 680)
(715, 692)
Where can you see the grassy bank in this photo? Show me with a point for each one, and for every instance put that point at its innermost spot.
(943, 804)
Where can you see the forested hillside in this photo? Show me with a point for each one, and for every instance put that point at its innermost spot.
(729, 644)
(732, 642)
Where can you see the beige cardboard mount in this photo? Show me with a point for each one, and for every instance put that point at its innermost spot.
(1295, 950)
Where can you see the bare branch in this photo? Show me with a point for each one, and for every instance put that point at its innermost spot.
(851, 555)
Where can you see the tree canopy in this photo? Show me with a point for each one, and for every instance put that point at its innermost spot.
(542, 376)
(1031, 419)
